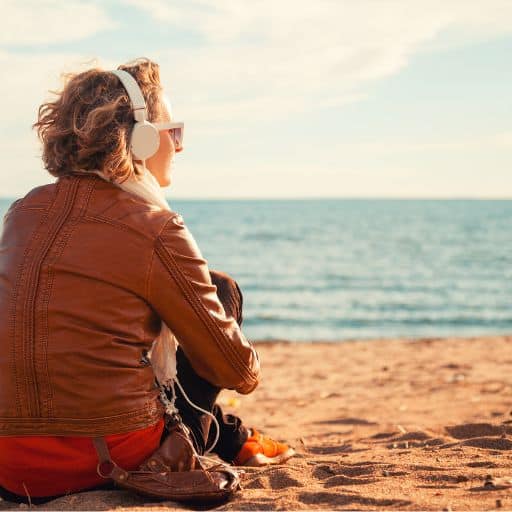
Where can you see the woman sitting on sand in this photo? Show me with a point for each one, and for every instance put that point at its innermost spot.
(97, 276)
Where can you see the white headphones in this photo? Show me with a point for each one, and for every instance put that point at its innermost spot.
(145, 138)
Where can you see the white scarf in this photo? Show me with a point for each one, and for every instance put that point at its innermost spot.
(163, 351)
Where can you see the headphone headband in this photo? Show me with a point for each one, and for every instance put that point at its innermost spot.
(135, 94)
(145, 138)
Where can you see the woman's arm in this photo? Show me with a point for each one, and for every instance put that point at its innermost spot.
(181, 292)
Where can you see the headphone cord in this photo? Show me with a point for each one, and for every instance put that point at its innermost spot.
(204, 411)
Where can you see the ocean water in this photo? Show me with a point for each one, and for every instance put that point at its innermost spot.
(334, 269)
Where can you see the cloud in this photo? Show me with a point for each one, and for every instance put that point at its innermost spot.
(50, 21)
(250, 64)
(30, 73)
(27, 86)
(258, 61)
(267, 59)
(30, 79)
(494, 141)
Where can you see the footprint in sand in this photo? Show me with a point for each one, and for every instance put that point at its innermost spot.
(248, 504)
(336, 481)
(383, 435)
(346, 421)
(480, 435)
(490, 443)
(334, 475)
(494, 484)
(416, 439)
(274, 478)
(344, 500)
(334, 449)
(469, 430)
(328, 470)
(420, 467)
(453, 479)
(482, 464)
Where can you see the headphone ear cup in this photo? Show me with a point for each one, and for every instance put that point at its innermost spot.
(145, 140)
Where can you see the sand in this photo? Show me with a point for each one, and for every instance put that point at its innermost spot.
(380, 425)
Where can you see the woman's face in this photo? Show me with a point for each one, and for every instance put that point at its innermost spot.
(162, 162)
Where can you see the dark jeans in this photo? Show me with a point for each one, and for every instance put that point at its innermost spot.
(232, 433)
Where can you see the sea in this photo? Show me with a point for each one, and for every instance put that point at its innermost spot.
(339, 269)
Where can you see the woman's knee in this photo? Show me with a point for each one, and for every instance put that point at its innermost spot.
(229, 294)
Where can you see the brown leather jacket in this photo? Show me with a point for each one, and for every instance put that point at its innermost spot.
(87, 270)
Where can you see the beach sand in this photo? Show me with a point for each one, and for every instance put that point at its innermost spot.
(386, 424)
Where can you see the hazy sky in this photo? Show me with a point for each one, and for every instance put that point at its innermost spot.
(294, 98)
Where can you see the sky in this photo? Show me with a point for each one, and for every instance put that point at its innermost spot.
(283, 99)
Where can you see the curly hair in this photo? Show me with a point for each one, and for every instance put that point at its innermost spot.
(89, 125)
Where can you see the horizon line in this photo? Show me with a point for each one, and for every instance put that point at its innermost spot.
(319, 198)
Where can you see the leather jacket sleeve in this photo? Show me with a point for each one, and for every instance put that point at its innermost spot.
(181, 292)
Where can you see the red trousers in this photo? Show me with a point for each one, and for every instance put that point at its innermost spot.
(48, 466)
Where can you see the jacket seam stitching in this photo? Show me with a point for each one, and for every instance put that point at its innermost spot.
(195, 299)
(48, 403)
(114, 224)
(200, 312)
(133, 412)
(146, 287)
(20, 208)
(164, 226)
(105, 220)
(30, 302)
(147, 284)
(148, 274)
(229, 352)
(21, 270)
(86, 427)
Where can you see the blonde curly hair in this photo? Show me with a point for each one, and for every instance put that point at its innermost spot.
(89, 125)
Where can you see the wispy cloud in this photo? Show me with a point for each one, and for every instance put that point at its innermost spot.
(501, 140)
(245, 63)
(272, 59)
(262, 60)
(50, 21)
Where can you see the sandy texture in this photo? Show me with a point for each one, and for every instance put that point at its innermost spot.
(392, 424)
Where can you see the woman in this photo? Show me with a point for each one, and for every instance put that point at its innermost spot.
(97, 274)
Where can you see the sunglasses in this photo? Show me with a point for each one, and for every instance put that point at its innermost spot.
(176, 131)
